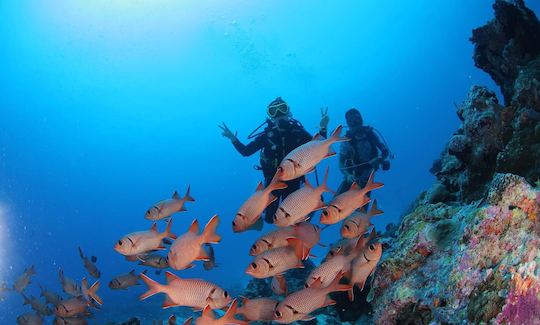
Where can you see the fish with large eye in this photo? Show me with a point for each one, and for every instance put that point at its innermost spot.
(359, 222)
(297, 206)
(166, 208)
(277, 260)
(304, 158)
(144, 241)
(347, 202)
(248, 216)
(364, 265)
(300, 304)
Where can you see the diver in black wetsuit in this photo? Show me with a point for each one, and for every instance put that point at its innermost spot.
(281, 135)
(360, 156)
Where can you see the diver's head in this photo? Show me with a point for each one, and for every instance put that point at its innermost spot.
(354, 118)
(278, 108)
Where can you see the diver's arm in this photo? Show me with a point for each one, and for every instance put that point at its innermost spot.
(250, 148)
(381, 146)
(344, 156)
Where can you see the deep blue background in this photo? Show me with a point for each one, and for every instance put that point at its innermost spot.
(109, 106)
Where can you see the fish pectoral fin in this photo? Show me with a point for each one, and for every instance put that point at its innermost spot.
(328, 302)
(168, 303)
(203, 255)
(307, 317)
(258, 225)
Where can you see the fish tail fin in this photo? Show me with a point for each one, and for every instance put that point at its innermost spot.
(168, 233)
(336, 135)
(31, 270)
(371, 185)
(231, 312)
(187, 197)
(276, 184)
(209, 233)
(153, 287)
(298, 246)
(375, 211)
(92, 292)
(335, 286)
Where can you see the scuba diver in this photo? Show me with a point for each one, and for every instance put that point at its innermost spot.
(360, 156)
(281, 135)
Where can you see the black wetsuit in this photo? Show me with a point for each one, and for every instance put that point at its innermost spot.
(275, 142)
(359, 156)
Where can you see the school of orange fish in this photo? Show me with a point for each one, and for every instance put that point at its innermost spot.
(353, 258)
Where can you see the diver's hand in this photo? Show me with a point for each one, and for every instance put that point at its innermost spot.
(227, 132)
(324, 118)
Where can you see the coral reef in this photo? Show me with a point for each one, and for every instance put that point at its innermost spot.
(495, 138)
(467, 264)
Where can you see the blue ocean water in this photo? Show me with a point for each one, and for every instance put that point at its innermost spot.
(109, 106)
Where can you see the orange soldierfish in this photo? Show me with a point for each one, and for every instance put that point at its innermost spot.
(166, 208)
(188, 247)
(144, 241)
(297, 205)
(29, 319)
(249, 214)
(303, 159)
(364, 265)
(72, 307)
(345, 203)
(259, 309)
(299, 305)
(278, 260)
(125, 281)
(273, 239)
(193, 293)
(208, 317)
(341, 264)
(358, 223)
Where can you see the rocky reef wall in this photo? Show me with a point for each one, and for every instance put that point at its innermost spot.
(469, 251)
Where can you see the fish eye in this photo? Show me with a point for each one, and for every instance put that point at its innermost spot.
(372, 247)
(225, 294)
(234, 224)
(278, 313)
(254, 247)
(275, 217)
(306, 285)
(347, 227)
(325, 212)
(254, 265)
(120, 242)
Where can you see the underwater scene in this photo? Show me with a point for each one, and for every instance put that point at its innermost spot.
(269, 162)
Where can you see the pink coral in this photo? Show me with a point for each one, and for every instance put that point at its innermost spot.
(522, 304)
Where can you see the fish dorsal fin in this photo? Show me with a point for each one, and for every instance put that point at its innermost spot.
(154, 227)
(375, 209)
(260, 187)
(171, 276)
(194, 228)
(316, 284)
(354, 186)
(176, 196)
(229, 314)
(207, 312)
(317, 136)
